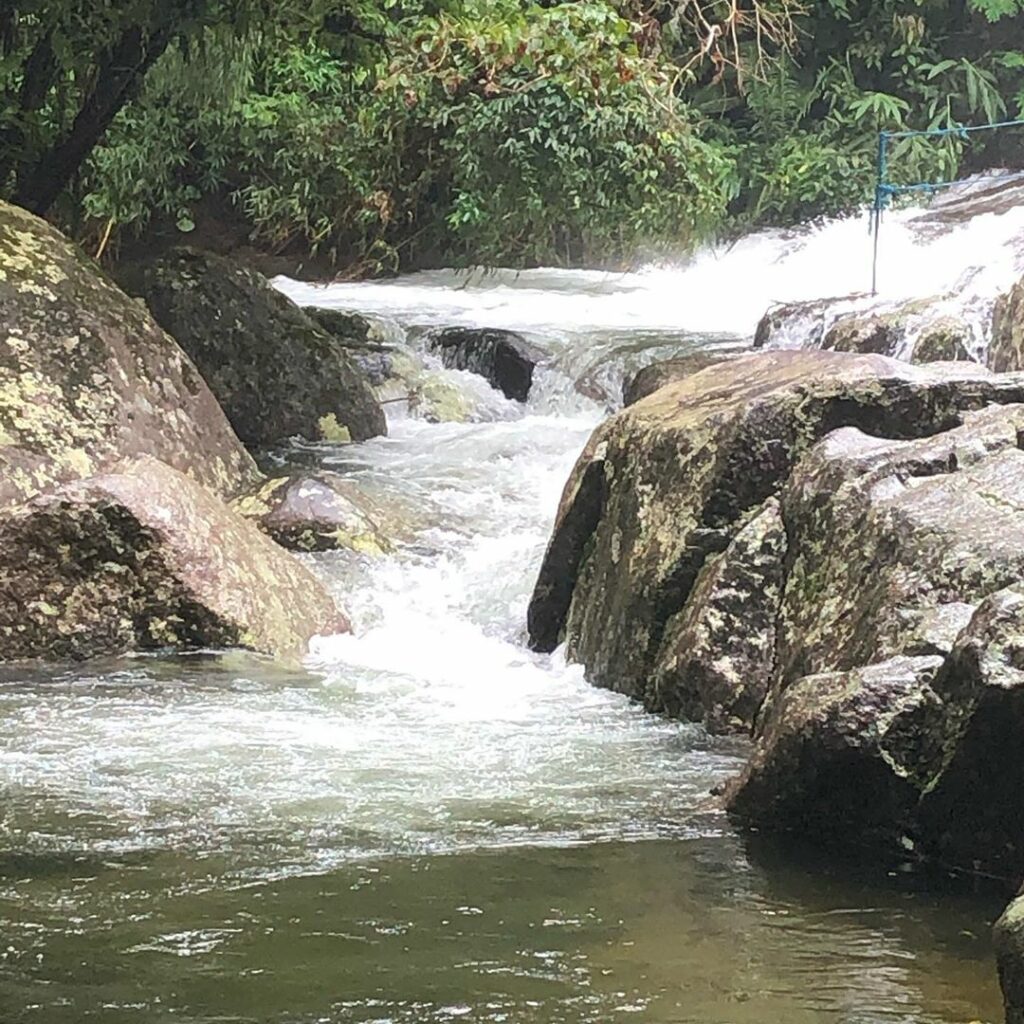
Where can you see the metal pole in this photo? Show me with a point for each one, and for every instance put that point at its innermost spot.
(880, 196)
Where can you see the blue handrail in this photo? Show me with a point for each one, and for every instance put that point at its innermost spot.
(884, 190)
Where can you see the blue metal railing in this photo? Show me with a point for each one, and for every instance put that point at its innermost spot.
(885, 190)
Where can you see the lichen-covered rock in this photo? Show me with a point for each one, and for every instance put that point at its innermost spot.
(883, 531)
(919, 331)
(276, 373)
(716, 657)
(842, 756)
(1006, 349)
(87, 377)
(504, 358)
(323, 511)
(369, 342)
(914, 331)
(667, 371)
(144, 558)
(1008, 939)
(943, 340)
(971, 815)
(897, 699)
(668, 483)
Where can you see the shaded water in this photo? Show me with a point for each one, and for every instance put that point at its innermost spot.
(430, 823)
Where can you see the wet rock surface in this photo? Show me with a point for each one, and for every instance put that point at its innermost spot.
(1006, 350)
(368, 341)
(648, 380)
(145, 559)
(826, 546)
(717, 654)
(920, 331)
(87, 378)
(276, 372)
(504, 358)
(1008, 938)
(324, 511)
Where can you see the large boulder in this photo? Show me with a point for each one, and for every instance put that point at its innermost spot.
(667, 371)
(276, 372)
(505, 359)
(144, 558)
(87, 377)
(667, 485)
(1006, 349)
(828, 548)
(895, 704)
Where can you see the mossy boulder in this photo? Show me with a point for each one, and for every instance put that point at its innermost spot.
(1006, 349)
(324, 511)
(87, 378)
(276, 372)
(648, 380)
(144, 558)
(895, 706)
(667, 484)
(504, 358)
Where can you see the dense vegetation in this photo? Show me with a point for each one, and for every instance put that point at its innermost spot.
(406, 132)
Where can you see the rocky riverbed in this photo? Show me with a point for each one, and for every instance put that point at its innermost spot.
(780, 595)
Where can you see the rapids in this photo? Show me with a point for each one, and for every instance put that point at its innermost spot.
(430, 823)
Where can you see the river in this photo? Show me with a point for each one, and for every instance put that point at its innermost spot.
(429, 823)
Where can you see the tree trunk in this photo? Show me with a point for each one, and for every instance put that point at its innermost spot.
(38, 78)
(118, 81)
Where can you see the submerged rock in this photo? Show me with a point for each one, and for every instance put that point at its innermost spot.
(322, 511)
(144, 559)
(504, 358)
(276, 372)
(428, 394)
(667, 371)
(802, 324)
(87, 378)
(920, 331)
(913, 332)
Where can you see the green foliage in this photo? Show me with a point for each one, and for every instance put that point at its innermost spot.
(540, 135)
(394, 133)
(809, 131)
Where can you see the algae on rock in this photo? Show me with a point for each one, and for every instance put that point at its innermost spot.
(143, 558)
(88, 378)
(276, 372)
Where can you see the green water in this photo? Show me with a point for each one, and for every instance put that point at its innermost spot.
(652, 932)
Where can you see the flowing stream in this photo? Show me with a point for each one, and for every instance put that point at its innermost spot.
(428, 823)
